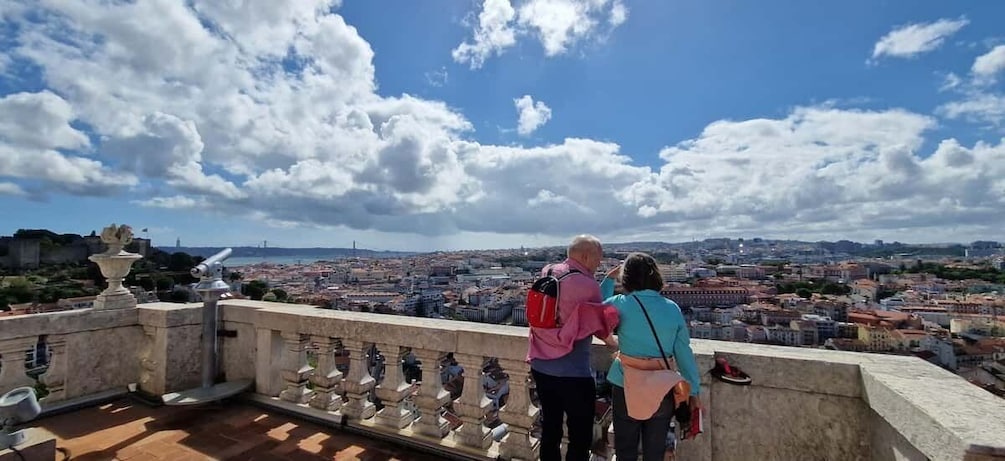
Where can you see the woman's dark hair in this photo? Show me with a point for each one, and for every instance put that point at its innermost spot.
(640, 272)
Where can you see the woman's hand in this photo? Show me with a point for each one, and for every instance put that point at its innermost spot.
(695, 402)
(615, 272)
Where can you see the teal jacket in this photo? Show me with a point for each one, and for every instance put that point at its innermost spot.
(636, 338)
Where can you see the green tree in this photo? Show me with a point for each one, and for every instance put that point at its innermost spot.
(281, 294)
(180, 261)
(147, 283)
(163, 283)
(804, 293)
(270, 297)
(255, 289)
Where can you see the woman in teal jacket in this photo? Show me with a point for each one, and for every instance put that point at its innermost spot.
(640, 279)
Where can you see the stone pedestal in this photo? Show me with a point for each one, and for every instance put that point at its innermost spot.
(115, 264)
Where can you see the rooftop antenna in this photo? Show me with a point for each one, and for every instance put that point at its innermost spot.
(211, 286)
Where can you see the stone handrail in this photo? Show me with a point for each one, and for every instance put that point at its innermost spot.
(90, 352)
(804, 403)
(285, 334)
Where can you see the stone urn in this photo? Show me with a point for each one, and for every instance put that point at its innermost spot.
(115, 263)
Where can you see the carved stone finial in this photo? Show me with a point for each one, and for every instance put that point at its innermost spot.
(115, 264)
(117, 236)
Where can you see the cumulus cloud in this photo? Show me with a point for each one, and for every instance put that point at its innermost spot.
(532, 115)
(979, 100)
(33, 128)
(991, 63)
(9, 188)
(976, 107)
(273, 114)
(913, 39)
(39, 121)
(557, 25)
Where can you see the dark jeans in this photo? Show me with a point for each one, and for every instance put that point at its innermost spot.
(628, 431)
(575, 398)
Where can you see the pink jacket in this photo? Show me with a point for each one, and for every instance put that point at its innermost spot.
(582, 313)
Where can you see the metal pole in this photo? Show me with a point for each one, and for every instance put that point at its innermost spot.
(209, 341)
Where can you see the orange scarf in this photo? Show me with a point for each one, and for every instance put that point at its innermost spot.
(647, 382)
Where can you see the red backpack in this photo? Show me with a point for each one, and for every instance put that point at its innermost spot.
(542, 300)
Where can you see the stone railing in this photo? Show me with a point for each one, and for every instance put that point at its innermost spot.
(346, 368)
(274, 345)
(75, 356)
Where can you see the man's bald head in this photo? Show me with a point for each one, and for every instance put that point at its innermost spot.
(586, 249)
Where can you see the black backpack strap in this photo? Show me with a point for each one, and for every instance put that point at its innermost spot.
(653, 328)
(571, 271)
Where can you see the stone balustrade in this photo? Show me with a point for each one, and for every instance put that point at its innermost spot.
(82, 354)
(346, 368)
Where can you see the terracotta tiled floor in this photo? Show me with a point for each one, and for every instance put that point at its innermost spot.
(126, 430)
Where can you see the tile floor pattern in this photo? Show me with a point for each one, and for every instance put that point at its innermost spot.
(130, 431)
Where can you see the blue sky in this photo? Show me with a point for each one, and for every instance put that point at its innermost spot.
(400, 125)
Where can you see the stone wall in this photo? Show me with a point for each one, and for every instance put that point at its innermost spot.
(92, 351)
(803, 403)
(76, 253)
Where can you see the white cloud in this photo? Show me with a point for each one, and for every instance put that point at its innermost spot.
(213, 120)
(33, 127)
(991, 63)
(823, 170)
(977, 107)
(979, 101)
(557, 25)
(8, 188)
(172, 203)
(437, 78)
(493, 34)
(39, 121)
(952, 81)
(913, 39)
(532, 115)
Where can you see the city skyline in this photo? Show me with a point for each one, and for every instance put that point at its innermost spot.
(378, 246)
(504, 124)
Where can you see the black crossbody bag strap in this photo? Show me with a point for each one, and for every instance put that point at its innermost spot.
(653, 328)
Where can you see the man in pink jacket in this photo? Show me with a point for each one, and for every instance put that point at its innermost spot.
(565, 384)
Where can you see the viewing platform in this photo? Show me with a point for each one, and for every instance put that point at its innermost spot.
(315, 395)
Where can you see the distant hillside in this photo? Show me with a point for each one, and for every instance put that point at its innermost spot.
(255, 252)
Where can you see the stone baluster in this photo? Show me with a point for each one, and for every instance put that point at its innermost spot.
(393, 390)
(518, 413)
(13, 353)
(432, 396)
(326, 378)
(54, 377)
(295, 369)
(473, 404)
(148, 366)
(359, 383)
